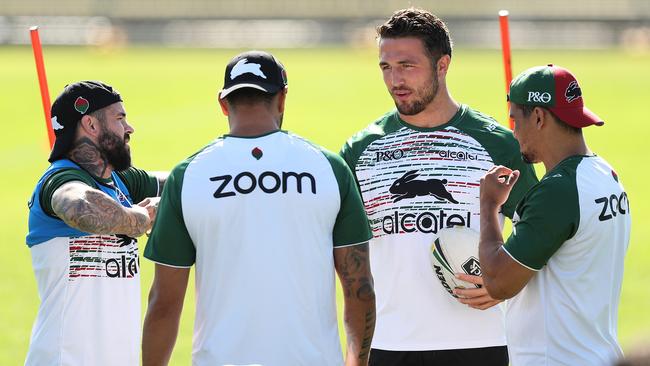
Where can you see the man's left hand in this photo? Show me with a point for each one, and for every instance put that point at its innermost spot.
(476, 298)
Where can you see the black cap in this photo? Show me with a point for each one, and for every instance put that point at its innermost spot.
(75, 101)
(254, 69)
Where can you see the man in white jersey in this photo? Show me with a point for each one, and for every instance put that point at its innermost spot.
(83, 221)
(562, 266)
(418, 168)
(266, 216)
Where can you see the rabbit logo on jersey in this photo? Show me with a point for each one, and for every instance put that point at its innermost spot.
(408, 187)
(429, 221)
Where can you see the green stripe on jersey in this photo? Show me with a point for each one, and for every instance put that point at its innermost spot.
(548, 216)
(352, 225)
(170, 243)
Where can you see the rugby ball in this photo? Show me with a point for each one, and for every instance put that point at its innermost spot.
(455, 250)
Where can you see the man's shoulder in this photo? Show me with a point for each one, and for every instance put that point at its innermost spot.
(380, 127)
(357, 144)
(557, 187)
(498, 140)
(334, 159)
(63, 171)
(482, 125)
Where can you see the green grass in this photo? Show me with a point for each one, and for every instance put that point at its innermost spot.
(170, 97)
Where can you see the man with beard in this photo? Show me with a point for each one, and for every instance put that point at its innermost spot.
(419, 169)
(82, 228)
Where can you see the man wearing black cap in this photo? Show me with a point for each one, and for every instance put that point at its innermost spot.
(266, 216)
(563, 264)
(83, 222)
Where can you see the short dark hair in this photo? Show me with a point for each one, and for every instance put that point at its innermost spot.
(418, 23)
(249, 96)
(528, 109)
(100, 114)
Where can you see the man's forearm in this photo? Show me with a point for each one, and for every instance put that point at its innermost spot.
(353, 267)
(95, 212)
(490, 242)
(163, 314)
(159, 335)
(359, 320)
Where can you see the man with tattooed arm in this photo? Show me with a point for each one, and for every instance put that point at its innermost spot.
(266, 217)
(85, 214)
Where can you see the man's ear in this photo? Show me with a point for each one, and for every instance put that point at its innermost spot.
(90, 125)
(442, 66)
(282, 98)
(541, 116)
(225, 108)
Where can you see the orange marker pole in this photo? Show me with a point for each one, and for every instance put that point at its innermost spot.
(42, 81)
(505, 47)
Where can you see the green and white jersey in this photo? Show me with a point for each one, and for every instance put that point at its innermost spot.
(415, 181)
(574, 228)
(260, 217)
(88, 284)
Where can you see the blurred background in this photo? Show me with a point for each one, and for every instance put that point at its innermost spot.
(310, 23)
(167, 57)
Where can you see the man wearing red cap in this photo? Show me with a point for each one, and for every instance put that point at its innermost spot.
(563, 264)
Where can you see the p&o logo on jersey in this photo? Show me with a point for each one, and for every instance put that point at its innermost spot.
(539, 97)
(389, 155)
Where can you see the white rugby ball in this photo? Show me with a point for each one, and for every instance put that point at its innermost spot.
(455, 250)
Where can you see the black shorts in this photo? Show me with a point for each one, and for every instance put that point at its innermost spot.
(488, 356)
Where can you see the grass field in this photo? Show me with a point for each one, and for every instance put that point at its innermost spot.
(170, 96)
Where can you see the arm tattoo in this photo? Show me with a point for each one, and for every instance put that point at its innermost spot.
(368, 331)
(86, 153)
(357, 284)
(355, 274)
(94, 212)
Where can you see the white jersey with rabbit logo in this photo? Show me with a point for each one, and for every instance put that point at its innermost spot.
(414, 182)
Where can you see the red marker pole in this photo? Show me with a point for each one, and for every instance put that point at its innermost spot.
(505, 47)
(42, 81)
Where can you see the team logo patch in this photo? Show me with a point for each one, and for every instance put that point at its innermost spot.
(81, 105)
(572, 92)
(56, 125)
(242, 66)
(257, 153)
(407, 186)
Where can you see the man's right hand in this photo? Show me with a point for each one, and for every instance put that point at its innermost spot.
(151, 204)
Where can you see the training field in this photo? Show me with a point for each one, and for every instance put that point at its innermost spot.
(170, 97)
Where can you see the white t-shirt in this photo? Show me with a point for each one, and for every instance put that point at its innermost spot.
(415, 181)
(79, 278)
(260, 217)
(574, 229)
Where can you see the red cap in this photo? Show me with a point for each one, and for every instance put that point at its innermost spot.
(569, 104)
(555, 88)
